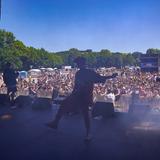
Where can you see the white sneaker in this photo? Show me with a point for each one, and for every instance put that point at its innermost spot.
(98, 117)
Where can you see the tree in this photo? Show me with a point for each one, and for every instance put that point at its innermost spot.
(6, 39)
(117, 60)
(137, 56)
(128, 60)
(153, 51)
(22, 56)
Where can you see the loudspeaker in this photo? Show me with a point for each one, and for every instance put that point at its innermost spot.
(3, 99)
(23, 101)
(104, 109)
(41, 103)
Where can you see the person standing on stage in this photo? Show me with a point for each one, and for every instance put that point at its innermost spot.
(82, 95)
(9, 78)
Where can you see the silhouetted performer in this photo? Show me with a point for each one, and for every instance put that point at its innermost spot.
(9, 77)
(82, 95)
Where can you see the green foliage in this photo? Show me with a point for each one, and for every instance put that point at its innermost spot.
(6, 39)
(23, 57)
(153, 51)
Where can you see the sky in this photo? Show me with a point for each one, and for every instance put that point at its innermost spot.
(58, 25)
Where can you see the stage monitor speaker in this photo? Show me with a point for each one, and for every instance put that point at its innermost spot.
(23, 101)
(41, 103)
(3, 99)
(104, 109)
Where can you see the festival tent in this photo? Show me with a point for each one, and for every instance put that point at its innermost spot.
(34, 72)
(49, 69)
(23, 74)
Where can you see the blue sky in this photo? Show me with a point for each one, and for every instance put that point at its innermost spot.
(58, 25)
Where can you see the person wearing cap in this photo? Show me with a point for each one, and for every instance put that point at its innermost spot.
(81, 96)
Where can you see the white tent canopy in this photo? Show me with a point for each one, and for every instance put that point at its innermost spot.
(49, 69)
(34, 70)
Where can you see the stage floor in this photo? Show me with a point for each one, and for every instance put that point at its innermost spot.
(23, 135)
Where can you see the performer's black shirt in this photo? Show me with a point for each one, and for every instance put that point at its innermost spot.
(84, 83)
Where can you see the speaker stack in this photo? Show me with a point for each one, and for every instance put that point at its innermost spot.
(104, 109)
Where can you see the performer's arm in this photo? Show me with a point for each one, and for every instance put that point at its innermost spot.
(101, 79)
(112, 76)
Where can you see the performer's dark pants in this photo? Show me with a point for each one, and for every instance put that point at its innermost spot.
(71, 104)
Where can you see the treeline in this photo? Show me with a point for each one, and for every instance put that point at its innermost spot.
(24, 57)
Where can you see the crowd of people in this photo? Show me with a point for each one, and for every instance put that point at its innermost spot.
(82, 87)
(144, 84)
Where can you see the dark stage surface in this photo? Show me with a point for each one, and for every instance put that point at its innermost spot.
(24, 136)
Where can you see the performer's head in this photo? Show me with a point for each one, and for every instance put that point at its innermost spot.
(80, 61)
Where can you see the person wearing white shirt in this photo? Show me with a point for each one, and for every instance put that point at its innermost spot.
(110, 97)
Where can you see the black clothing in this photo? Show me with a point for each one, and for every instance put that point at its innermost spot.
(84, 83)
(82, 95)
(9, 77)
